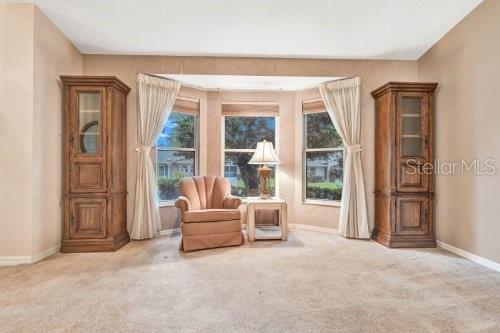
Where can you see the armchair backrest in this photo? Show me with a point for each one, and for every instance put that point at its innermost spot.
(205, 192)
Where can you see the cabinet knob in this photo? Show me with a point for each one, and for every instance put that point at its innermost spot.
(72, 220)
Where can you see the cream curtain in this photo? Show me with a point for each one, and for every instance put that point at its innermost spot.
(342, 100)
(156, 100)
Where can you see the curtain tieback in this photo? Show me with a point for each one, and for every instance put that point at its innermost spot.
(143, 149)
(353, 149)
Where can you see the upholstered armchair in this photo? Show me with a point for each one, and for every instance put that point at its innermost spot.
(209, 213)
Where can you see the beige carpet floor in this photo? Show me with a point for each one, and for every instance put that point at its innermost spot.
(314, 282)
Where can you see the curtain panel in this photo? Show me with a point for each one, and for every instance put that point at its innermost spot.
(156, 98)
(342, 101)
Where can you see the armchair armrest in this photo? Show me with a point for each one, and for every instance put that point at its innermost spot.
(231, 202)
(183, 204)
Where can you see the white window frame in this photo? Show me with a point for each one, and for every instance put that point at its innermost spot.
(166, 203)
(164, 169)
(306, 150)
(230, 150)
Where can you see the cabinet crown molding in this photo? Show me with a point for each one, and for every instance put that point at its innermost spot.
(404, 86)
(85, 80)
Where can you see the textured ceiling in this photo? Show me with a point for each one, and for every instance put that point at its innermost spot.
(341, 29)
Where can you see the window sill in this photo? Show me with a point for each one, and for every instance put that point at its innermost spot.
(166, 204)
(321, 203)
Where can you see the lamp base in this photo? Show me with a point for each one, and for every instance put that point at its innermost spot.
(264, 188)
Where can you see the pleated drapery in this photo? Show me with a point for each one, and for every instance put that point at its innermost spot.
(156, 100)
(342, 101)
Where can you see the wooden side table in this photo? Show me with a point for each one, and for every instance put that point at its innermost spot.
(271, 204)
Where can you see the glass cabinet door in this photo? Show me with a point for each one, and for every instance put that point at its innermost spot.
(89, 123)
(411, 131)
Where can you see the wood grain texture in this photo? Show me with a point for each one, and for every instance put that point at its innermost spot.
(403, 189)
(94, 185)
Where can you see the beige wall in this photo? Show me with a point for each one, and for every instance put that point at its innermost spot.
(54, 55)
(16, 129)
(33, 54)
(466, 64)
(373, 74)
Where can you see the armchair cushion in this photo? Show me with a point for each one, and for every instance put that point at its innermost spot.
(211, 215)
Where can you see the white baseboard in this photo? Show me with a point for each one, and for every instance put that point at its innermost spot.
(170, 232)
(471, 256)
(22, 260)
(312, 228)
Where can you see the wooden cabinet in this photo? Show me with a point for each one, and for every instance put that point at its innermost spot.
(95, 164)
(404, 139)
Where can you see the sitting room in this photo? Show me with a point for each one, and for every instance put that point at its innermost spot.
(180, 166)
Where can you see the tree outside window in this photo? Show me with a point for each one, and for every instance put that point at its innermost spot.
(176, 153)
(324, 158)
(241, 136)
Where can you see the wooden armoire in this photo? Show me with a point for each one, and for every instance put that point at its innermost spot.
(94, 164)
(404, 186)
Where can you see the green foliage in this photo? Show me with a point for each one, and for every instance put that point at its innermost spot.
(183, 132)
(168, 188)
(320, 131)
(244, 133)
(324, 191)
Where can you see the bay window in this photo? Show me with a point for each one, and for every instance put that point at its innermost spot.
(323, 155)
(241, 134)
(177, 149)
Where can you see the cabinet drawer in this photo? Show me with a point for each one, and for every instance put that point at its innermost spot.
(87, 218)
(413, 215)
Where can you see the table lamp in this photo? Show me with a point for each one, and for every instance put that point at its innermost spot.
(264, 154)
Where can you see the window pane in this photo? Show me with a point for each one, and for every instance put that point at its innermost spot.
(412, 146)
(320, 131)
(244, 177)
(172, 166)
(178, 131)
(412, 105)
(245, 132)
(324, 175)
(89, 119)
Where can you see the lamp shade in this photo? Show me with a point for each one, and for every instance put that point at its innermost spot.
(264, 154)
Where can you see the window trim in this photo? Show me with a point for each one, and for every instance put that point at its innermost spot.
(169, 203)
(246, 150)
(305, 150)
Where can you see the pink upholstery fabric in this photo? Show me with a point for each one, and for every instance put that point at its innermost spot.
(199, 242)
(209, 213)
(205, 192)
(208, 228)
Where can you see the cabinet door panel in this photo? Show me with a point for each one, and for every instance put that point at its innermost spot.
(412, 141)
(412, 215)
(87, 134)
(88, 176)
(413, 176)
(413, 125)
(87, 218)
